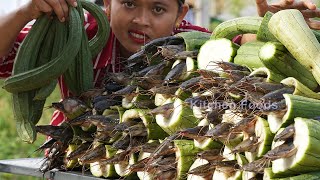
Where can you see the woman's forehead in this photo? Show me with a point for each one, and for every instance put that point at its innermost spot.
(154, 1)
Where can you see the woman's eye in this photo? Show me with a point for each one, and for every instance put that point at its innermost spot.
(129, 4)
(158, 10)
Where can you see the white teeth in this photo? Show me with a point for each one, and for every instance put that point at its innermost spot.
(139, 36)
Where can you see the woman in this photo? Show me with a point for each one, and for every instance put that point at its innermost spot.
(133, 23)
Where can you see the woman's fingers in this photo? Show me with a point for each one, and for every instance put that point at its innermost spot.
(287, 2)
(301, 5)
(57, 8)
(65, 9)
(72, 2)
(313, 24)
(61, 7)
(262, 7)
(311, 13)
(309, 4)
(43, 6)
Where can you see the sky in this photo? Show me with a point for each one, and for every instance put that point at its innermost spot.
(9, 5)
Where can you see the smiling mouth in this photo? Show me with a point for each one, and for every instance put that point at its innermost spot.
(138, 37)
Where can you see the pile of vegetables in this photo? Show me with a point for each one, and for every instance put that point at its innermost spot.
(50, 50)
(195, 106)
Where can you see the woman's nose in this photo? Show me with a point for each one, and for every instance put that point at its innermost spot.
(142, 18)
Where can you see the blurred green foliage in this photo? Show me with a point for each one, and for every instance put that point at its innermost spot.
(11, 147)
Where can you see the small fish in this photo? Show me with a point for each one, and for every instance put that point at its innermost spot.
(51, 163)
(277, 95)
(169, 89)
(71, 107)
(139, 166)
(102, 121)
(92, 155)
(186, 54)
(117, 158)
(197, 132)
(203, 170)
(130, 89)
(199, 101)
(124, 125)
(138, 129)
(191, 84)
(62, 133)
(152, 46)
(46, 144)
(228, 171)
(143, 71)
(137, 57)
(169, 51)
(170, 174)
(50, 130)
(283, 151)
(80, 135)
(275, 107)
(236, 75)
(287, 133)
(228, 66)
(144, 104)
(211, 155)
(79, 151)
(267, 87)
(257, 166)
(213, 82)
(122, 143)
(166, 147)
(246, 84)
(150, 147)
(208, 73)
(102, 137)
(80, 119)
(156, 72)
(248, 145)
(165, 109)
(100, 106)
(175, 72)
(163, 161)
(214, 116)
(89, 94)
(246, 124)
(57, 149)
(121, 78)
(257, 177)
(156, 167)
(220, 130)
(111, 87)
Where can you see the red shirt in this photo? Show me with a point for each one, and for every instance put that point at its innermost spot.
(107, 57)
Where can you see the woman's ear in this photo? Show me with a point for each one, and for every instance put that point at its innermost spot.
(182, 13)
(107, 4)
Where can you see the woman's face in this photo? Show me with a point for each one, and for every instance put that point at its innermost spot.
(136, 22)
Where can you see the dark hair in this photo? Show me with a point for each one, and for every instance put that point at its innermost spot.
(181, 2)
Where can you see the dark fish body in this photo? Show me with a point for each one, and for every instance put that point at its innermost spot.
(175, 72)
(287, 133)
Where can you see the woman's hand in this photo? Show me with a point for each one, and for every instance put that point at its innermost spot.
(60, 7)
(307, 8)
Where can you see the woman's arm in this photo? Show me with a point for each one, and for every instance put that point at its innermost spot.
(12, 23)
(10, 26)
(307, 8)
